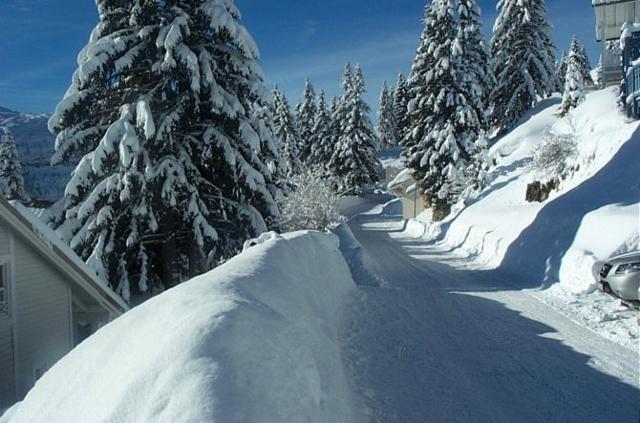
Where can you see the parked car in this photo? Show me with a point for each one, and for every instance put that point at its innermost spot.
(620, 277)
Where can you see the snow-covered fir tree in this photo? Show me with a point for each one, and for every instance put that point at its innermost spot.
(475, 73)
(523, 53)
(305, 119)
(585, 65)
(599, 81)
(561, 71)
(11, 180)
(447, 111)
(339, 111)
(400, 104)
(286, 131)
(574, 79)
(354, 163)
(387, 125)
(168, 115)
(321, 139)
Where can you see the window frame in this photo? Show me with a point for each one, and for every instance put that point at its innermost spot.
(6, 274)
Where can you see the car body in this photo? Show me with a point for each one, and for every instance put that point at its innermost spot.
(620, 276)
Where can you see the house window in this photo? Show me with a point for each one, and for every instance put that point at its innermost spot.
(4, 289)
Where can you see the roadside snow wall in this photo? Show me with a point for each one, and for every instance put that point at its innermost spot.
(255, 340)
(568, 237)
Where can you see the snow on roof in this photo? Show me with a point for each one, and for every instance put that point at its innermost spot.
(255, 340)
(50, 244)
(605, 2)
(628, 29)
(402, 181)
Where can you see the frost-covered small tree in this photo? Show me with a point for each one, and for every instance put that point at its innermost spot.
(321, 140)
(287, 133)
(401, 98)
(555, 158)
(305, 119)
(574, 79)
(167, 113)
(523, 53)
(354, 163)
(312, 203)
(387, 125)
(11, 180)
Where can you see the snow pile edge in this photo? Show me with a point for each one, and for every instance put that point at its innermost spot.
(254, 340)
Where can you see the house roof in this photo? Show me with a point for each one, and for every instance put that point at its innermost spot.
(402, 182)
(49, 244)
(596, 3)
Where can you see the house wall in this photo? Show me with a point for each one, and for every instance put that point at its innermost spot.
(43, 328)
(7, 370)
(412, 206)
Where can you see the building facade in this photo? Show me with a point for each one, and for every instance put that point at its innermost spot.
(611, 15)
(50, 301)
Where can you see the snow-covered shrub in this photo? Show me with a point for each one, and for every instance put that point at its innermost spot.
(556, 156)
(312, 203)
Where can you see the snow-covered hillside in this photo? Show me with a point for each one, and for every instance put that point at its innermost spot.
(562, 242)
(35, 146)
(255, 340)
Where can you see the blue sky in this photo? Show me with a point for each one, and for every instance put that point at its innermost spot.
(39, 41)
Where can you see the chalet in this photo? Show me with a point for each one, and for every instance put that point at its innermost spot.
(49, 301)
(611, 15)
(406, 189)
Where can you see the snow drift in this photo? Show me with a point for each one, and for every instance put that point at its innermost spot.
(255, 340)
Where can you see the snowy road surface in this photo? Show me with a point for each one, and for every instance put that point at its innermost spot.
(438, 344)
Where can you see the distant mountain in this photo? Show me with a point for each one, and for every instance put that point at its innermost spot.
(6, 113)
(35, 146)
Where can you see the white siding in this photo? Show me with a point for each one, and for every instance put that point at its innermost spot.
(42, 315)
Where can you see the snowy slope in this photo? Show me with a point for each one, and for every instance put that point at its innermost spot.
(255, 340)
(562, 242)
(35, 146)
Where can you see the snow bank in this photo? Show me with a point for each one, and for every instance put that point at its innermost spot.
(255, 340)
(359, 262)
(613, 229)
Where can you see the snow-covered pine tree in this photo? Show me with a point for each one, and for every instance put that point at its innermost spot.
(447, 112)
(400, 103)
(387, 126)
(561, 71)
(178, 166)
(305, 117)
(321, 147)
(574, 79)
(287, 133)
(523, 53)
(354, 163)
(11, 180)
